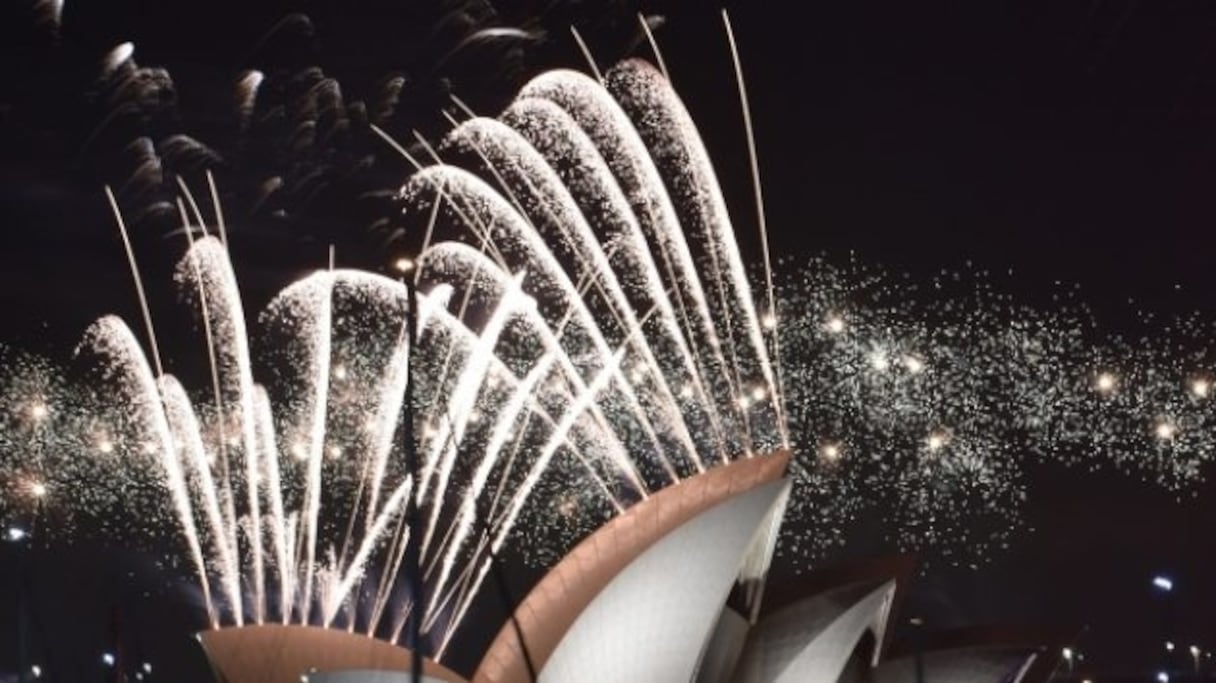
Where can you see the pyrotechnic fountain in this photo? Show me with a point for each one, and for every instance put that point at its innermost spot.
(584, 323)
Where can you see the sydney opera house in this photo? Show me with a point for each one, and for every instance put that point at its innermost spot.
(672, 590)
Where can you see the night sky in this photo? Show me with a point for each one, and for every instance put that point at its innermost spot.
(1071, 141)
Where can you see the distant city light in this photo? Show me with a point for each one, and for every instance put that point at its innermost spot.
(1163, 583)
(1163, 677)
(1169, 646)
(16, 534)
(107, 658)
(36, 671)
(1067, 653)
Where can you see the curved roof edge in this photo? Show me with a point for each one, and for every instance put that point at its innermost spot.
(553, 605)
(897, 568)
(276, 653)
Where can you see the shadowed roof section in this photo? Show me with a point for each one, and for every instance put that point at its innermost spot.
(552, 607)
(282, 654)
(897, 568)
(1045, 640)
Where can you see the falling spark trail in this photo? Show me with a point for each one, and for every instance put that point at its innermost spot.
(582, 46)
(761, 219)
(654, 46)
(139, 283)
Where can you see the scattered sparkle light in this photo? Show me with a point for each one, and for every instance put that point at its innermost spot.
(769, 320)
(38, 489)
(834, 324)
(914, 365)
(1165, 430)
(1106, 382)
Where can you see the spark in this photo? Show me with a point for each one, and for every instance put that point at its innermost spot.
(1201, 387)
(830, 451)
(834, 324)
(404, 265)
(38, 411)
(879, 361)
(937, 440)
(1106, 382)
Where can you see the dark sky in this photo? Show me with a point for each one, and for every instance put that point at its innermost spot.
(1070, 140)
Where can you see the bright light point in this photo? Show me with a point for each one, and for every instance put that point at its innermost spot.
(937, 440)
(744, 402)
(1165, 430)
(16, 533)
(36, 671)
(758, 394)
(340, 372)
(1106, 382)
(834, 324)
(1163, 677)
(1066, 653)
(1194, 650)
(686, 391)
(830, 452)
(768, 320)
(105, 446)
(429, 431)
(1200, 388)
(1169, 646)
(298, 451)
(404, 265)
(1163, 583)
(147, 667)
(636, 377)
(914, 364)
(38, 410)
(474, 417)
(335, 452)
(879, 361)
(107, 659)
(37, 489)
